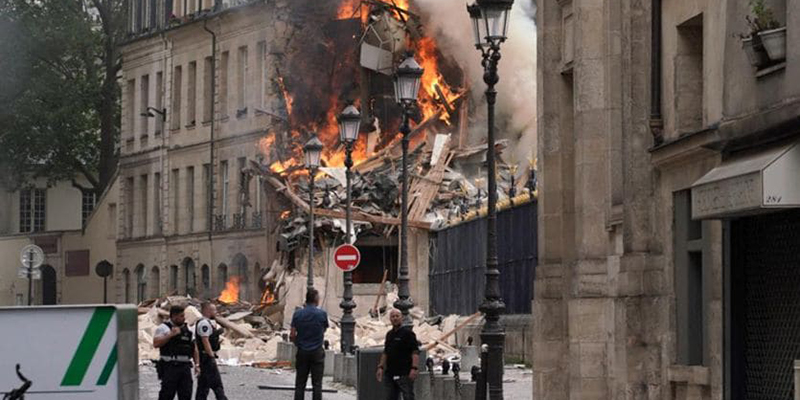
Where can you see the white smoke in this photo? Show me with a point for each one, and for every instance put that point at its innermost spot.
(449, 23)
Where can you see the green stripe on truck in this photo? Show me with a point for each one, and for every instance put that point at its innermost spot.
(88, 346)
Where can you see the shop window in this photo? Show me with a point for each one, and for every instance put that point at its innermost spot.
(689, 250)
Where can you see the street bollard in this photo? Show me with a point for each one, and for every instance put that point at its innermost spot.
(338, 367)
(329, 363)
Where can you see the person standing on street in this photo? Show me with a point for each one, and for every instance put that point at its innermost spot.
(308, 331)
(207, 341)
(174, 340)
(400, 359)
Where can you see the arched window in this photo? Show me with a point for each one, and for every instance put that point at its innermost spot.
(141, 284)
(155, 283)
(205, 276)
(126, 286)
(240, 269)
(173, 278)
(189, 276)
(222, 276)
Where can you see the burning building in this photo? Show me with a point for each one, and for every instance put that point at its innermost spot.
(218, 99)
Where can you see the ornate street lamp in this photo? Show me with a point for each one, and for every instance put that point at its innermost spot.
(406, 89)
(490, 28)
(313, 153)
(349, 125)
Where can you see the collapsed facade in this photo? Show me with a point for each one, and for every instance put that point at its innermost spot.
(217, 102)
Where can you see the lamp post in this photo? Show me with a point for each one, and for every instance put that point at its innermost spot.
(490, 26)
(312, 151)
(349, 124)
(406, 89)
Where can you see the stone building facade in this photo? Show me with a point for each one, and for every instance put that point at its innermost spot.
(667, 162)
(194, 90)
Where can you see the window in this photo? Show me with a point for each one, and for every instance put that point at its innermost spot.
(222, 277)
(143, 200)
(689, 282)
(159, 103)
(223, 84)
(130, 105)
(174, 187)
(241, 82)
(144, 97)
(205, 274)
(242, 184)
(173, 277)
(191, 96)
(126, 285)
(225, 182)
(176, 98)
(88, 201)
(31, 210)
(141, 284)
(261, 69)
(206, 193)
(129, 208)
(689, 76)
(190, 197)
(157, 224)
(208, 89)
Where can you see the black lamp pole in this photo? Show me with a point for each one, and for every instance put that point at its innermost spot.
(349, 125)
(406, 86)
(313, 151)
(490, 24)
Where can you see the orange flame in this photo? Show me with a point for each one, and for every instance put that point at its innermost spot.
(435, 91)
(286, 214)
(231, 292)
(268, 297)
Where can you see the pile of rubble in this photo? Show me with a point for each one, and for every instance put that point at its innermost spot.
(251, 339)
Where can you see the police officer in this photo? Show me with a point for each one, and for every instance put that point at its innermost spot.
(207, 340)
(174, 339)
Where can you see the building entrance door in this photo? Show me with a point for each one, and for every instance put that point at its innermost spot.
(765, 305)
(48, 285)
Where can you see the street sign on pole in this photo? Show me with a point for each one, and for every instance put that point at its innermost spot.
(31, 256)
(347, 257)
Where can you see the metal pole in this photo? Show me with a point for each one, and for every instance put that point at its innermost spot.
(310, 283)
(404, 303)
(347, 304)
(30, 277)
(492, 334)
(105, 290)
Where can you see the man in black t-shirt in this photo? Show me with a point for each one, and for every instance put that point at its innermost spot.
(400, 360)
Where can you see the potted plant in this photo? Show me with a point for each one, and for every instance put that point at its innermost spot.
(767, 40)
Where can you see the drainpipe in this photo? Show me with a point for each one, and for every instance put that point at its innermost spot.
(213, 124)
(656, 121)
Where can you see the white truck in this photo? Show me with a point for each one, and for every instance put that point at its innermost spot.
(69, 353)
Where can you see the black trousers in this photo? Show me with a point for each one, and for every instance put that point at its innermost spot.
(209, 380)
(312, 362)
(177, 378)
(396, 387)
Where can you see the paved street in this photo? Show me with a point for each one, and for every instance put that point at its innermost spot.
(241, 383)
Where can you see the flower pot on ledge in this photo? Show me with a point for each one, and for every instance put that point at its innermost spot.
(755, 51)
(774, 42)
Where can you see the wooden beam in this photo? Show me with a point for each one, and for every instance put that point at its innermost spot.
(451, 332)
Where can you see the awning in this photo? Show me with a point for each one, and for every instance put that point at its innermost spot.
(749, 184)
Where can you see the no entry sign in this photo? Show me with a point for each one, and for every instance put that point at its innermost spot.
(347, 257)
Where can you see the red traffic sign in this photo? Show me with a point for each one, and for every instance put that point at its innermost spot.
(347, 257)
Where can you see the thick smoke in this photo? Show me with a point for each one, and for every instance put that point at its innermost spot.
(449, 23)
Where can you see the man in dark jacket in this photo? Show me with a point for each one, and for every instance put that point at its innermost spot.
(308, 331)
(400, 360)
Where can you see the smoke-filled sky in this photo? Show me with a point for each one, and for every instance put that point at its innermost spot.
(449, 22)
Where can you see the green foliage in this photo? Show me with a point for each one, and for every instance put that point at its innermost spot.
(53, 70)
(762, 18)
